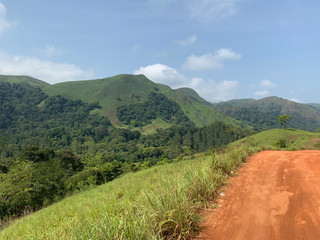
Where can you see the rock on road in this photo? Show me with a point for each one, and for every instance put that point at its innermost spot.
(275, 195)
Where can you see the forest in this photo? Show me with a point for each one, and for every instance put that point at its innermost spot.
(158, 105)
(52, 147)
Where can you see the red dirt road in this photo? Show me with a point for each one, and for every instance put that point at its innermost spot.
(276, 195)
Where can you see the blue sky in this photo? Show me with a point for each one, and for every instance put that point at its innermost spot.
(223, 49)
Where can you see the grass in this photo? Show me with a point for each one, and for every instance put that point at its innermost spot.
(23, 79)
(157, 123)
(295, 140)
(158, 203)
(127, 89)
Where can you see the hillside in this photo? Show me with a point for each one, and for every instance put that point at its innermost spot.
(314, 105)
(289, 139)
(263, 114)
(29, 116)
(113, 92)
(189, 92)
(23, 79)
(163, 202)
(51, 146)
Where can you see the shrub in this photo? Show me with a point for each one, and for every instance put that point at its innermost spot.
(281, 143)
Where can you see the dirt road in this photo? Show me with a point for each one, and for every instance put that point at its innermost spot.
(276, 195)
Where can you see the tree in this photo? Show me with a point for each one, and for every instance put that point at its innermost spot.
(284, 120)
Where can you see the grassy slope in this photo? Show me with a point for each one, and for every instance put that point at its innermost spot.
(193, 95)
(127, 203)
(151, 128)
(23, 79)
(123, 90)
(296, 139)
(157, 201)
(109, 92)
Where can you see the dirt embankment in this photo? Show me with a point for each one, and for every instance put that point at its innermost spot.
(276, 195)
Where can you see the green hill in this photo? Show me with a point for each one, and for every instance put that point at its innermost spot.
(263, 114)
(314, 105)
(126, 90)
(193, 95)
(120, 90)
(290, 139)
(23, 79)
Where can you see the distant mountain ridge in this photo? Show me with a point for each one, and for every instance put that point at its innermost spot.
(129, 90)
(263, 114)
(314, 105)
(125, 90)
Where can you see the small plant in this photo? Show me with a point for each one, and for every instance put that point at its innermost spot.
(281, 143)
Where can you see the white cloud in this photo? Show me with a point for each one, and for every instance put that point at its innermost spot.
(187, 41)
(4, 22)
(262, 93)
(267, 84)
(210, 61)
(295, 100)
(51, 72)
(210, 90)
(162, 74)
(207, 11)
(214, 91)
(263, 88)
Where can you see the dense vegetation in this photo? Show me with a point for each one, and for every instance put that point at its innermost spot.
(253, 116)
(29, 116)
(158, 203)
(53, 146)
(157, 106)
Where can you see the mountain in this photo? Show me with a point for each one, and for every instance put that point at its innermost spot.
(314, 105)
(23, 79)
(51, 146)
(263, 114)
(193, 95)
(133, 90)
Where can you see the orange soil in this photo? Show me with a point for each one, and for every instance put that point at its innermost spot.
(276, 195)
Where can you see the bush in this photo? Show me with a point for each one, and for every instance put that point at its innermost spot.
(281, 143)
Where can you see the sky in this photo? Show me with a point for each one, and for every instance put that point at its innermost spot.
(223, 49)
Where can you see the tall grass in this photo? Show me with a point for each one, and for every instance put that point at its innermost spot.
(159, 203)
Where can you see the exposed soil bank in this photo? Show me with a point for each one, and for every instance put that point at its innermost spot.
(276, 195)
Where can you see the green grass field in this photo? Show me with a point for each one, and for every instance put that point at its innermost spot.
(162, 202)
(294, 140)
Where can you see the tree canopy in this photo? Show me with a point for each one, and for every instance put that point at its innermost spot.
(284, 120)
